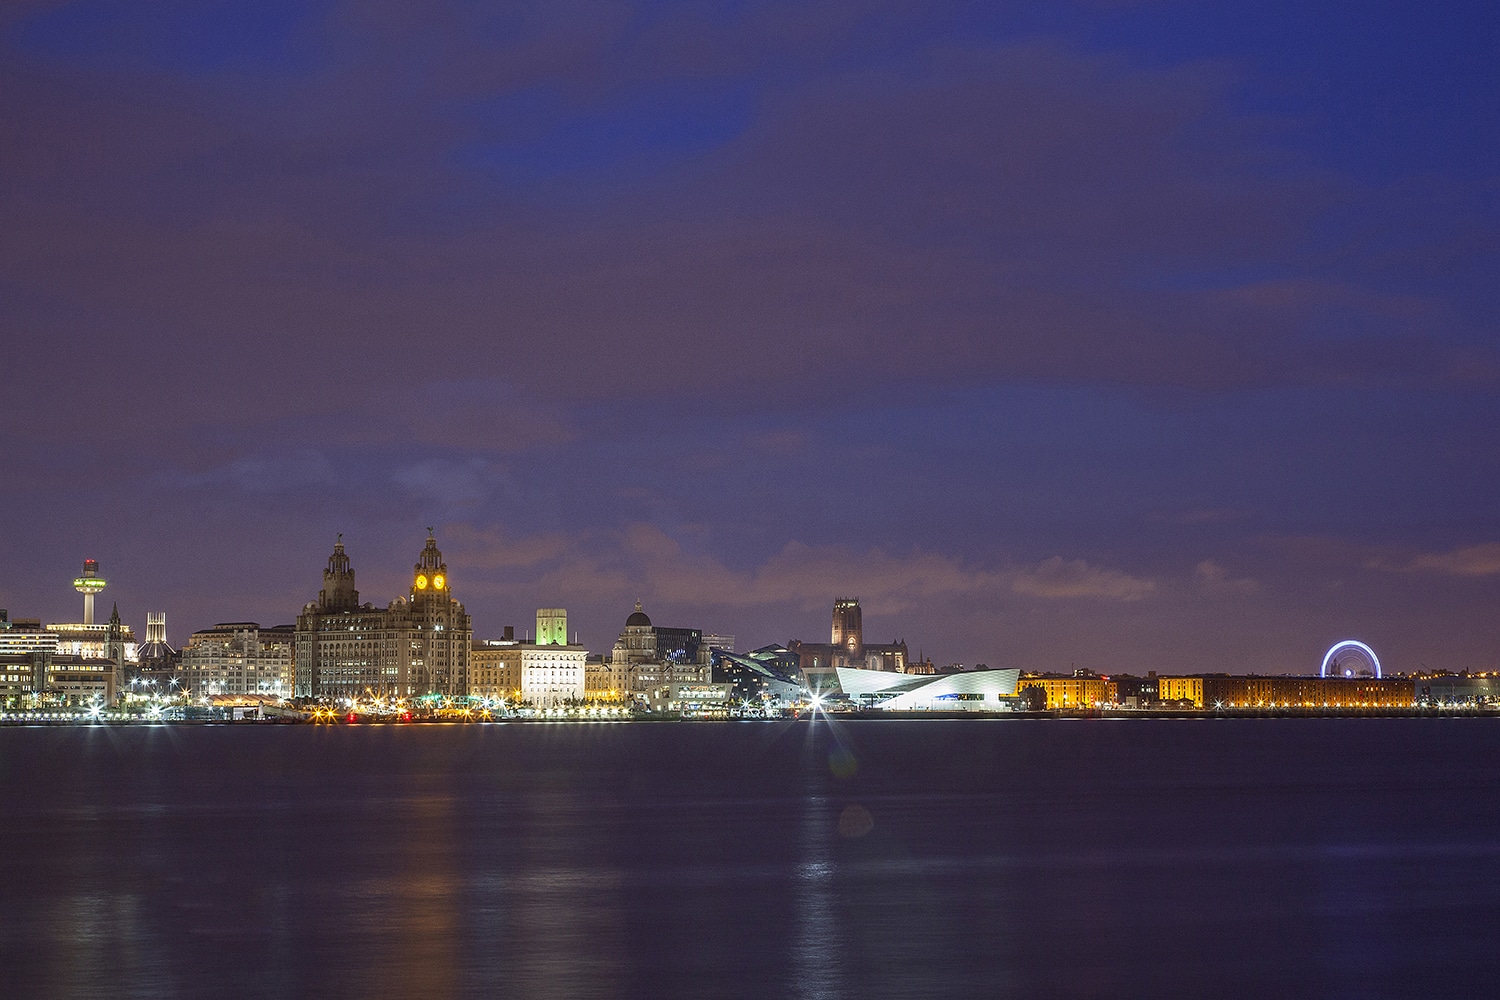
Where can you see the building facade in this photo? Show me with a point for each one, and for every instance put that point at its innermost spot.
(495, 669)
(239, 658)
(35, 674)
(1070, 692)
(647, 660)
(419, 644)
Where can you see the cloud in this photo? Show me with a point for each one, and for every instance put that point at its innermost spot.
(263, 473)
(493, 548)
(1472, 560)
(642, 560)
(1215, 579)
(1059, 578)
(450, 482)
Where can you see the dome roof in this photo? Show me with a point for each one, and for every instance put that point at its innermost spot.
(638, 619)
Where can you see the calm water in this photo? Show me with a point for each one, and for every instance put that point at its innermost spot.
(1255, 858)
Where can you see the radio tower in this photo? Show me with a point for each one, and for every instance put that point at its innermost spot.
(89, 584)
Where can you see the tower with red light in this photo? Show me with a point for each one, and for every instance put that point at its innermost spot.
(89, 584)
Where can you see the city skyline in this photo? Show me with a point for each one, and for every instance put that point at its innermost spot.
(1125, 336)
(846, 634)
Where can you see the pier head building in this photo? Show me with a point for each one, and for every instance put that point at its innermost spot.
(661, 667)
(542, 674)
(419, 644)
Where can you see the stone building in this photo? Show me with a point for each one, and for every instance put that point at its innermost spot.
(239, 658)
(419, 644)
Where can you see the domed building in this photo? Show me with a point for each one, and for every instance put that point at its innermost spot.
(652, 663)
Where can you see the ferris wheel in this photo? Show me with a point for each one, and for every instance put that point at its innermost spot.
(1350, 658)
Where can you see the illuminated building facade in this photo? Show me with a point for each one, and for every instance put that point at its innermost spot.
(1225, 692)
(552, 673)
(1252, 692)
(1070, 692)
(419, 644)
(33, 673)
(1180, 690)
(848, 627)
(648, 659)
(552, 669)
(552, 626)
(235, 658)
(495, 668)
(960, 691)
(601, 680)
(156, 659)
(767, 675)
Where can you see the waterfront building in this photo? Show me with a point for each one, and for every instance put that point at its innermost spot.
(1447, 690)
(552, 673)
(1078, 691)
(966, 691)
(546, 673)
(419, 644)
(33, 673)
(495, 668)
(79, 681)
(1180, 691)
(239, 658)
(766, 677)
(552, 626)
(1221, 692)
(648, 659)
(552, 669)
(601, 680)
(1135, 692)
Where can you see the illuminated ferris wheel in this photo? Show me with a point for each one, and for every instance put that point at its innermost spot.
(1350, 658)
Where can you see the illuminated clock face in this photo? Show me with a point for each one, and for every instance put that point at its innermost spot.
(438, 581)
(421, 581)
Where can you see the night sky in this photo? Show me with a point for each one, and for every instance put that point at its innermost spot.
(1126, 335)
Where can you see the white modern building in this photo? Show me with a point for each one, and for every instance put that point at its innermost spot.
(969, 691)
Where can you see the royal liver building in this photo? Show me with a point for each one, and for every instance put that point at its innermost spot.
(419, 644)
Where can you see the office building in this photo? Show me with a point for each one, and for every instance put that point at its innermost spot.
(239, 658)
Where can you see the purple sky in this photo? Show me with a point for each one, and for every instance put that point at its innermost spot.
(1126, 335)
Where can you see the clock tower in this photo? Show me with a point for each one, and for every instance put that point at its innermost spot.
(429, 578)
(439, 631)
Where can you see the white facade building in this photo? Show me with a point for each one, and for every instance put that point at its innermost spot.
(970, 691)
(552, 674)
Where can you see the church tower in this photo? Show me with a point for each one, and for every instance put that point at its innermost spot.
(115, 650)
(848, 627)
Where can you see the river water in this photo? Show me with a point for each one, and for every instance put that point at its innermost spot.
(853, 859)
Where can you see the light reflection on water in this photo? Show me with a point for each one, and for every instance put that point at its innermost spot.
(816, 861)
